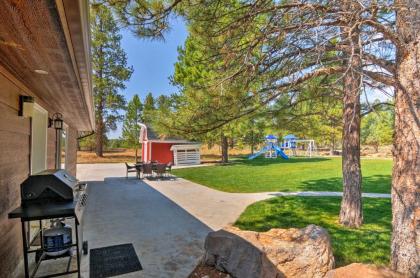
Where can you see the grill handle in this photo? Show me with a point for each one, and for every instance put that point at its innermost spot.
(81, 187)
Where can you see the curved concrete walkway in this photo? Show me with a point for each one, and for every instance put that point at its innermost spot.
(217, 208)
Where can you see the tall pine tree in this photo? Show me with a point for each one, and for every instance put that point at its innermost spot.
(149, 108)
(110, 71)
(131, 128)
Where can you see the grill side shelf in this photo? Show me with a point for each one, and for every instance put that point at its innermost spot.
(44, 211)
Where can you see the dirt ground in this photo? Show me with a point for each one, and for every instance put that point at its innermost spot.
(207, 155)
(127, 155)
(202, 271)
(214, 154)
(383, 151)
(115, 156)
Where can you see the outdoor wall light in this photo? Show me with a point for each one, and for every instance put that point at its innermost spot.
(26, 106)
(58, 121)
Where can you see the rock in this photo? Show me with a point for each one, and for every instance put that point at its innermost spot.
(277, 253)
(358, 270)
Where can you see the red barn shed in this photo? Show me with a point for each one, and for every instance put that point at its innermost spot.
(165, 150)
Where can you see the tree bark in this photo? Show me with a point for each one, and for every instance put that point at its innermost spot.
(351, 213)
(225, 148)
(405, 243)
(231, 143)
(99, 135)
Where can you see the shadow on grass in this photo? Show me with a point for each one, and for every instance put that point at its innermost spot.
(369, 244)
(370, 184)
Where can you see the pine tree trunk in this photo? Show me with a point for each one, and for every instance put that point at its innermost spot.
(351, 213)
(405, 243)
(225, 148)
(99, 133)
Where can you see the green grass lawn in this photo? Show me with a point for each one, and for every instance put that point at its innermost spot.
(295, 174)
(369, 244)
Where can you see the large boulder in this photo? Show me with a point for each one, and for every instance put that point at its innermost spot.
(358, 270)
(277, 253)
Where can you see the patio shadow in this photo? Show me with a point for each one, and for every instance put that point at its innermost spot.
(168, 240)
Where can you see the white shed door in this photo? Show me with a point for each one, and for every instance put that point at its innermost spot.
(39, 140)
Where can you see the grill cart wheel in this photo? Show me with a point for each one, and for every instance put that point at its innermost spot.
(85, 247)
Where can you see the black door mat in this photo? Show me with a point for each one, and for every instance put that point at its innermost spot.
(113, 260)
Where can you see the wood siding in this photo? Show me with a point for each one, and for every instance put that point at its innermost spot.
(51, 148)
(161, 152)
(14, 168)
(71, 155)
(15, 146)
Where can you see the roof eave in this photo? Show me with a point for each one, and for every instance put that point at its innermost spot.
(74, 17)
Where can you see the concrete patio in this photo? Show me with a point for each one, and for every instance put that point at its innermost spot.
(168, 240)
(166, 220)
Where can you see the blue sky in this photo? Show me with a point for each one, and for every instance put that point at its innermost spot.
(153, 63)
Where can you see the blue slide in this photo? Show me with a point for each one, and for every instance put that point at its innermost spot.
(280, 152)
(263, 150)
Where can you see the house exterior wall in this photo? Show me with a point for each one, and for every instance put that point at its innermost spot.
(71, 155)
(51, 148)
(14, 168)
(15, 149)
(161, 152)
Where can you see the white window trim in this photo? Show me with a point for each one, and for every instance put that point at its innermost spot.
(43, 111)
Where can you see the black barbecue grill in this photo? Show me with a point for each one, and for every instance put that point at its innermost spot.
(51, 194)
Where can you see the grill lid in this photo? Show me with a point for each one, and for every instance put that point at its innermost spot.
(48, 185)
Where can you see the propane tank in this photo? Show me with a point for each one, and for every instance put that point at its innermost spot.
(58, 238)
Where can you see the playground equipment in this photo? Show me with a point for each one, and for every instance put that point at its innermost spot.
(271, 149)
(293, 144)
